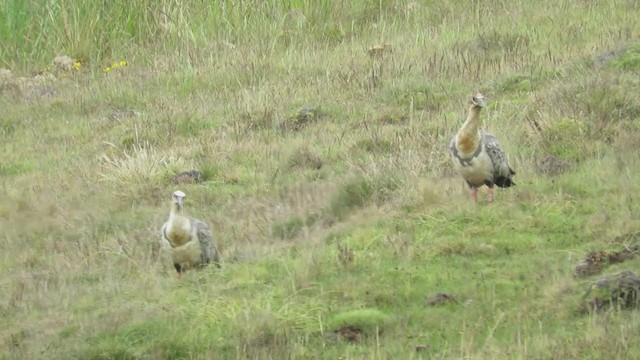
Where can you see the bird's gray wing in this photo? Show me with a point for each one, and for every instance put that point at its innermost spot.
(208, 253)
(501, 168)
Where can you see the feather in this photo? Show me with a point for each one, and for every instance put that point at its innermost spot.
(502, 172)
(477, 156)
(187, 240)
(209, 252)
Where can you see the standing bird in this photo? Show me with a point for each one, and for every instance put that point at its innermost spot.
(186, 239)
(477, 156)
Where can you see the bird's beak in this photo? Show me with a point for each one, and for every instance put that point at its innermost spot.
(179, 200)
(479, 100)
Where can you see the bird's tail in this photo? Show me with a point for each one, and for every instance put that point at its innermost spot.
(504, 182)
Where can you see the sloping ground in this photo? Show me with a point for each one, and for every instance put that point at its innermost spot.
(326, 179)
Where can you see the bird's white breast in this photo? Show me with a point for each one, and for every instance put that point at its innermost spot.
(477, 171)
(178, 230)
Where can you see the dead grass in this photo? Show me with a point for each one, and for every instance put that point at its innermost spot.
(344, 206)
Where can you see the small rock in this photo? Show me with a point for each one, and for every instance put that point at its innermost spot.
(595, 261)
(620, 289)
(119, 114)
(379, 50)
(634, 236)
(5, 73)
(440, 298)
(591, 264)
(552, 166)
(421, 347)
(302, 118)
(349, 333)
(412, 6)
(624, 255)
(63, 63)
(188, 177)
(40, 92)
(605, 58)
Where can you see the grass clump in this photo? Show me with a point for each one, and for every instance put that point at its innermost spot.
(142, 167)
(304, 157)
(14, 168)
(362, 191)
(629, 60)
(516, 82)
(7, 126)
(365, 321)
(375, 145)
(318, 131)
(288, 229)
(565, 139)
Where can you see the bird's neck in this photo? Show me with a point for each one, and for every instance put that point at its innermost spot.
(469, 134)
(176, 211)
(178, 229)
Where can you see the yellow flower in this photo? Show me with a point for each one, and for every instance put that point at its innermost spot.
(77, 65)
(115, 65)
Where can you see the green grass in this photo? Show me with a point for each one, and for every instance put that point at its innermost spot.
(326, 179)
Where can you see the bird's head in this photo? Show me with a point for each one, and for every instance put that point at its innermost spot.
(178, 198)
(477, 100)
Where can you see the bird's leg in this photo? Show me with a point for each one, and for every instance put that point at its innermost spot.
(490, 194)
(474, 193)
(178, 271)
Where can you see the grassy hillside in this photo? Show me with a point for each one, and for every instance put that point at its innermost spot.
(320, 128)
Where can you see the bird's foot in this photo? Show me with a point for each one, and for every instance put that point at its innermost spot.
(474, 194)
(179, 275)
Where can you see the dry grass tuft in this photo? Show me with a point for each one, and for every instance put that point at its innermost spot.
(323, 172)
(143, 165)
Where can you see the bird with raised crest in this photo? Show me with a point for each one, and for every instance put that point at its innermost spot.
(477, 156)
(187, 240)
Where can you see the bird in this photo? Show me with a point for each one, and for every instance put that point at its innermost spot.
(187, 240)
(477, 156)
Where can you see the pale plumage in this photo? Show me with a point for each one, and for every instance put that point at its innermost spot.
(187, 240)
(477, 156)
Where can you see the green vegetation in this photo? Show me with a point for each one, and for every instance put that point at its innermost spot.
(320, 129)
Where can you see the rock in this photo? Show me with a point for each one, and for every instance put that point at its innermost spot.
(349, 333)
(552, 166)
(188, 177)
(27, 88)
(620, 290)
(302, 118)
(595, 261)
(119, 114)
(63, 63)
(440, 298)
(354, 325)
(591, 264)
(5, 73)
(624, 255)
(304, 158)
(379, 50)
